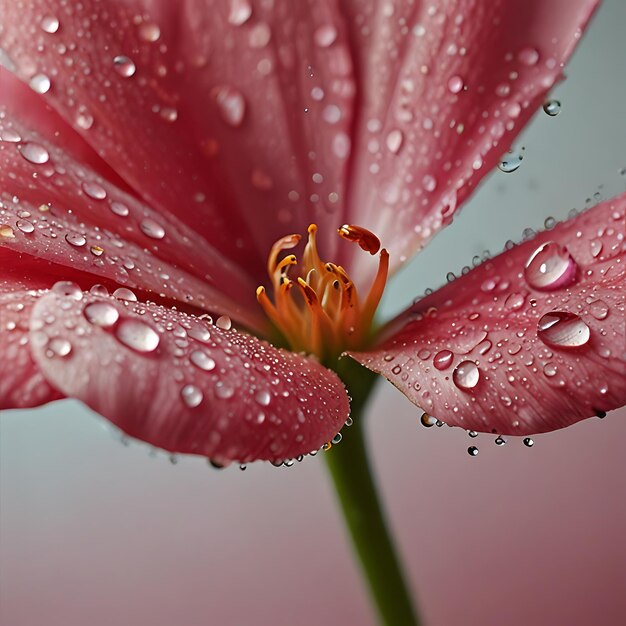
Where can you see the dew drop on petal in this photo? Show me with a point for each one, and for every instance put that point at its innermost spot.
(223, 391)
(596, 247)
(199, 333)
(83, 118)
(562, 329)
(75, 239)
(394, 140)
(25, 226)
(50, 24)
(472, 451)
(149, 32)
(40, 83)
(263, 397)
(202, 360)
(224, 322)
(455, 84)
(58, 346)
(528, 56)
(152, 229)
(192, 396)
(94, 190)
(599, 309)
(550, 266)
(137, 335)
(6, 231)
(428, 420)
(466, 375)
(443, 359)
(124, 66)
(34, 153)
(119, 209)
(514, 301)
(102, 314)
(325, 36)
(124, 293)
(68, 289)
(552, 107)
(240, 12)
(231, 105)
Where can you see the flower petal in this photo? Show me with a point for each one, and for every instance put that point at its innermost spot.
(446, 87)
(55, 208)
(233, 116)
(21, 383)
(531, 341)
(183, 384)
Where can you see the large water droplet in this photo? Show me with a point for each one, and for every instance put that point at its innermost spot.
(34, 153)
(152, 229)
(202, 360)
(466, 375)
(240, 12)
(149, 32)
(102, 314)
(192, 396)
(68, 289)
(58, 346)
(443, 359)
(562, 329)
(599, 309)
(455, 84)
(94, 190)
(549, 267)
(231, 105)
(124, 66)
(552, 107)
(119, 209)
(224, 322)
(428, 420)
(137, 335)
(263, 397)
(325, 36)
(40, 83)
(75, 239)
(25, 226)
(124, 293)
(510, 162)
(50, 24)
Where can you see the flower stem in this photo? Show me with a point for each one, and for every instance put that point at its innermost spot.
(349, 468)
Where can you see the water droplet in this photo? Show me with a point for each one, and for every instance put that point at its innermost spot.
(50, 24)
(263, 397)
(84, 119)
(94, 190)
(510, 162)
(528, 442)
(149, 32)
(552, 107)
(6, 231)
(562, 329)
(549, 267)
(224, 391)
(231, 105)
(443, 359)
(394, 140)
(40, 83)
(472, 433)
(68, 289)
(59, 347)
(599, 309)
(125, 294)
(500, 440)
(224, 322)
(152, 229)
(191, 395)
(550, 369)
(124, 66)
(25, 226)
(102, 314)
(466, 375)
(325, 36)
(169, 114)
(199, 333)
(96, 250)
(429, 182)
(75, 239)
(202, 360)
(10, 136)
(137, 335)
(119, 209)
(428, 420)
(34, 153)
(472, 451)
(455, 84)
(528, 56)
(514, 301)
(240, 12)
(596, 247)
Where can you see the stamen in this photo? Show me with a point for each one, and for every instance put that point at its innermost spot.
(324, 316)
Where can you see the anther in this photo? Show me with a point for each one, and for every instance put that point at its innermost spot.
(366, 239)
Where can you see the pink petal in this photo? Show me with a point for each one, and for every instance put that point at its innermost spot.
(446, 87)
(182, 383)
(56, 209)
(513, 349)
(234, 120)
(21, 383)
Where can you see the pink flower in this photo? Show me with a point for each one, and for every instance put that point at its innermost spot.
(169, 146)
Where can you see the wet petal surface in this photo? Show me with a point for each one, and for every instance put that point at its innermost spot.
(494, 352)
(182, 383)
(445, 88)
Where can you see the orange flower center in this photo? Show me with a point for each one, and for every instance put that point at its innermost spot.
(315, 304)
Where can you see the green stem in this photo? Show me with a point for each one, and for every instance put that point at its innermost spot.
(356, 491)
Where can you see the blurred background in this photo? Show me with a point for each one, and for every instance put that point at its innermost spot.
(93, 532)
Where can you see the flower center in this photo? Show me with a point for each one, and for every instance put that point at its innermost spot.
(316, 305)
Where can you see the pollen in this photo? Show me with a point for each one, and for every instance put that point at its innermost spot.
(314, 303)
